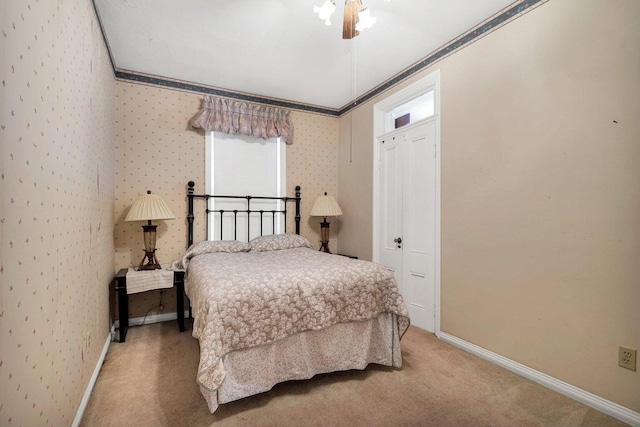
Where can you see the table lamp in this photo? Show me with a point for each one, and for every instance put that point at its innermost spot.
(325, 206)
(146, 208)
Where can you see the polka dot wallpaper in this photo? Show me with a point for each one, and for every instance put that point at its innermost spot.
(155, 150)
(312, 163)
(57, 187)
(77, 149)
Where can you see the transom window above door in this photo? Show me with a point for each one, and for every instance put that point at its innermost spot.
(410, 111)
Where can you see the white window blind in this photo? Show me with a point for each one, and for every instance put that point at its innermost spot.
(239, 165)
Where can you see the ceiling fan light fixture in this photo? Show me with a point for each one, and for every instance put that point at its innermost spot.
(325, 11)
(365, 20)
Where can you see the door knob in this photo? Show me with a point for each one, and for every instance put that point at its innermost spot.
(398, 241)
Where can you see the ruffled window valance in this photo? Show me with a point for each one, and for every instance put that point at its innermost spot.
(240, 117)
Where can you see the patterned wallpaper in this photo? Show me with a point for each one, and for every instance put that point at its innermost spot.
(155, 150)
(312, 163)
(56, 220)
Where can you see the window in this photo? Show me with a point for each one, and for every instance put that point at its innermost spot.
(411, 111)
(238, 165)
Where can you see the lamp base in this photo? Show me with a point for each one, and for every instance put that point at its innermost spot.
(152, 262)
(324, 236)
(149, 234)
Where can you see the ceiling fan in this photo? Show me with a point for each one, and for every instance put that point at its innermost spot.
(356, 16)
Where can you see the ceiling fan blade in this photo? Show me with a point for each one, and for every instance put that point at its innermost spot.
(351, 8)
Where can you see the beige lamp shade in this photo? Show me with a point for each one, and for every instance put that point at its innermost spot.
(148, 207)
(325, 206)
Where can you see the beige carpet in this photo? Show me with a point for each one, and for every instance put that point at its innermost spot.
(150, 381)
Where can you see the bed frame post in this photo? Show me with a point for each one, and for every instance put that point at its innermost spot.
(297, 209)
(191, 184)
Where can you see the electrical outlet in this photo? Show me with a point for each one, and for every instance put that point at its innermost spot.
(627, 358)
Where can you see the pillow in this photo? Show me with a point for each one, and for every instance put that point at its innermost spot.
(209, 246)
(274, 242)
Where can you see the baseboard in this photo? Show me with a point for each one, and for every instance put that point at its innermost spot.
(92, 381)
(610, 408)
(136, 321)
(154, 318)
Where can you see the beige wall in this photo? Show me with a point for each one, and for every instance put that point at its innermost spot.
(540, 200)
(56, 217)
(355, 182)
(157, 151)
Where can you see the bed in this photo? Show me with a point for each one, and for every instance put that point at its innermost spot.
(273, 309)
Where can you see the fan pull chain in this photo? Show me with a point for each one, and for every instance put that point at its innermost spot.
(354, 82)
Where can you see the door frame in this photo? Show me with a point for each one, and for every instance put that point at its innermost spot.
(430, 82)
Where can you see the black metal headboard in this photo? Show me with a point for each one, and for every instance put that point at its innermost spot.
(234, 212)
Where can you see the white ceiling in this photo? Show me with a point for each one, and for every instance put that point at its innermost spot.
(280, 48)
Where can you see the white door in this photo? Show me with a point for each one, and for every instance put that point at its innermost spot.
(407, 203)
(391, 206)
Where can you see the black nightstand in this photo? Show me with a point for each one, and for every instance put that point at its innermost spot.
(123, 300)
